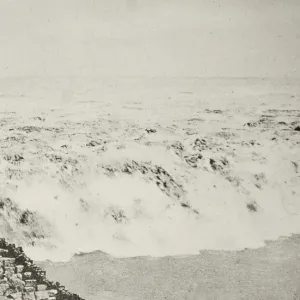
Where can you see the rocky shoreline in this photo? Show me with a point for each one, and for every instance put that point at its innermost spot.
(21, 279)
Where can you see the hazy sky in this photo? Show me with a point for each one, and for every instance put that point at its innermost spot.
(173, 38)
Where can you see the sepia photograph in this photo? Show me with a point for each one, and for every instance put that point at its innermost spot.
(149, 149)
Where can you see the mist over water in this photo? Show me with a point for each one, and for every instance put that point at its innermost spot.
(149, 38)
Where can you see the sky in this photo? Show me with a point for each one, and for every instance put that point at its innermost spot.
(89, 38)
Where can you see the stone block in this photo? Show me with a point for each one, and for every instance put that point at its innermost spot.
(29, 289)
(20, 249)
(41, 295)
(41, 287)
(19, 268)
(3, 288)
(9, 271)
(52, 292)
(15, 296)
(9, 268)
(28, 262)
(19, 276)
(9, 291)
(9, 261)
(30, 282)
(28, 296)
(17, 282)
(2, 259)
(42, 273)
(27, 275)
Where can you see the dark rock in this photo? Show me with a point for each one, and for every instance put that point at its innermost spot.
(297, 128)
(15, 288)
(252, 207)
(150, 130)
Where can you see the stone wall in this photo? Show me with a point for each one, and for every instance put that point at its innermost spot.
(21, 279)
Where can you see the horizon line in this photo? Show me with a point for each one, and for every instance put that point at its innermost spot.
(154, 77)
